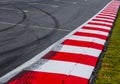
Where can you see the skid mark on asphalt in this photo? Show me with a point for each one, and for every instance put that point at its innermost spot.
(70, 2)
(50, 5)
(36, 27)
(5, 8)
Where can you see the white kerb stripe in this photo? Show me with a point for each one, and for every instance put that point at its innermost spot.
(86, 38)
(106, 16)
(102, 22)
(93, 52)
(98, 26)
(79, 50)
(109, 12)
(71, 49)
(62, 67)
(104, 19)
(93, 32)
(52, 66)
(81, 70)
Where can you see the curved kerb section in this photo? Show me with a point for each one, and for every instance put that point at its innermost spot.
(74, 60)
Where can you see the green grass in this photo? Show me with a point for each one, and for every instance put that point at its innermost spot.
(110, 68)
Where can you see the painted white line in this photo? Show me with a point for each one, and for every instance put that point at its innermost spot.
(98, 26)
(52, 66)
(18, 11)
(12, 9)
(81, 70)
(71, 2)
(8, 8)
(50, 5)
(35, 26)
(89, 39)
(93, 32)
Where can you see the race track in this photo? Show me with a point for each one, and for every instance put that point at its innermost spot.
(28, 27)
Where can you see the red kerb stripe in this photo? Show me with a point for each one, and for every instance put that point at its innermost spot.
(33, 77)
(95, 19)
(100, 24)
(104, 17)
(75, 80)
(91, 35)
(95, 28)
(63, 56)
(83, 44)
(72, 57)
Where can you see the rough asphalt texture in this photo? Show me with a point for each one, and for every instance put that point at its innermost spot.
(27, 27)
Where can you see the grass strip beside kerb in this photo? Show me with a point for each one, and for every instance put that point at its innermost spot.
(110, 68)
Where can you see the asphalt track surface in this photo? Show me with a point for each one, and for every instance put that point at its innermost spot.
(28, 27)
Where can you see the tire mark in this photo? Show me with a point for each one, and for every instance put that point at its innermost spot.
(56, 25)
(12, 59)
(22, 20)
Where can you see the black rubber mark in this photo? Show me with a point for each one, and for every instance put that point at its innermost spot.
(56, 25)
(56, 22)
(24, 16)
(12, 59)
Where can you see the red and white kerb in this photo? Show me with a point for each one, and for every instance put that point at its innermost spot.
(74, 60)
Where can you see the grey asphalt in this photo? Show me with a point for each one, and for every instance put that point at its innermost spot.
(28, 27)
